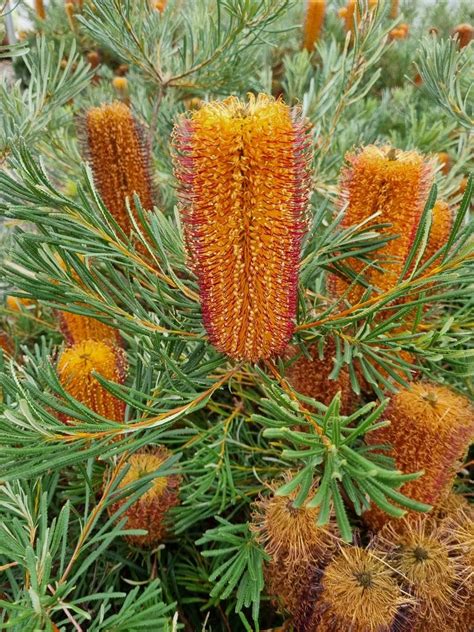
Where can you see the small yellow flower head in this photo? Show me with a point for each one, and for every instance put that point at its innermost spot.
(310, 376)
(431, 429)
(359, 593)
(244, 185)
(150, 510)
(121, 85)
(397, 184)
(120, 159)
(77, 328)
(76, 366)
(295, 543)
(313, 23)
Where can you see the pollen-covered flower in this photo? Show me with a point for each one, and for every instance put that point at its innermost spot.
(244, 180)
(313, 23)
(76, 368)
(115, 146)
(77, 328)
(296, 545)
(150, 510)
(359, 592)
(396, 184)
(430, 429)
(310, 376)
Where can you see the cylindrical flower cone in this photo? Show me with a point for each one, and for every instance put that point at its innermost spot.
(351, 11)
(76, 366)
(244, 186)
(77, 328)
(430, 429)
(119, 155)
(150, 510)
(313, 23)
(397, 184)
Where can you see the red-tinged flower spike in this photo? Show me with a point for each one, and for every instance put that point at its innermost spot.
(310, 376)
(430, 429)
(119, 156)
(397, 184)
(313, 23)
(150, 510)
(76, 368)
(464, 33)
(76, 328)
(359, 592)
(6, 344)
(244, 180)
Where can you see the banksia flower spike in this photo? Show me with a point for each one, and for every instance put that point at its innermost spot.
(244, 180)
(313, 22)
(150, 510)
(311, 376)
(120, 159)
(6, 343)
(430, 430)
(352, 10)
(77, 328)
(358, 593)
(464, 33)
(40, 10)
(76, 368)
(396, 183)
(296, 545)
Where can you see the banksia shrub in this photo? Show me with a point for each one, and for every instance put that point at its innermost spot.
(150, 510)
(430, 429)
(115, 146)
(295, 543)
(397, 184)
(310, 376)
(313, 23)
(76, 366)
(359, 592)
(244, 186)
(77, 328)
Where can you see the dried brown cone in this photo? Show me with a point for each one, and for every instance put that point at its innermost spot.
(150, 511)
(359, 592)
(464, 33)
(431, 429)
(115, 146)
(310, 376)
(295, 543)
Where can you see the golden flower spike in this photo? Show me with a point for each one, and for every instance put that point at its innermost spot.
(77, 328)
(313, 23)
(244, 183)
(150, 510)
(431, 429)
(114, 145)
(397, 184)
(76, 366)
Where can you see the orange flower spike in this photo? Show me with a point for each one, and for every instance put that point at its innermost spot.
(313, 23)
(245, 182)
(76, 366)
(76, 328)
(441, 224)
(394, 8)
(150, 510)
(120, 159)
(351, 11)
(40, 10)
(397, 184)
(465, 34)
(430, 430)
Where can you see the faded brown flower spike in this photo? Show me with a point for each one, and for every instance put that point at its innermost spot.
(244, 186)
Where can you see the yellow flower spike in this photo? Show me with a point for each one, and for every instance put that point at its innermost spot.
(150, 510)
(244, 186)
(431, 429)
(313, 23)
(76, 366)
(397, 184)
(77, 328)
(120, 159)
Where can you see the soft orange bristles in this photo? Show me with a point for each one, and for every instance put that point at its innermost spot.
(394, 8)
(120, 159)
(430, 430)
(76, 366)
(76, 328)
(401, 32)
(310, 376)
(351, 11)
(150, 510)
(396, 183)
(313, 23)
(441, 224)
(244, 180)
(359, 593)
(40, 10)
(464, 33)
